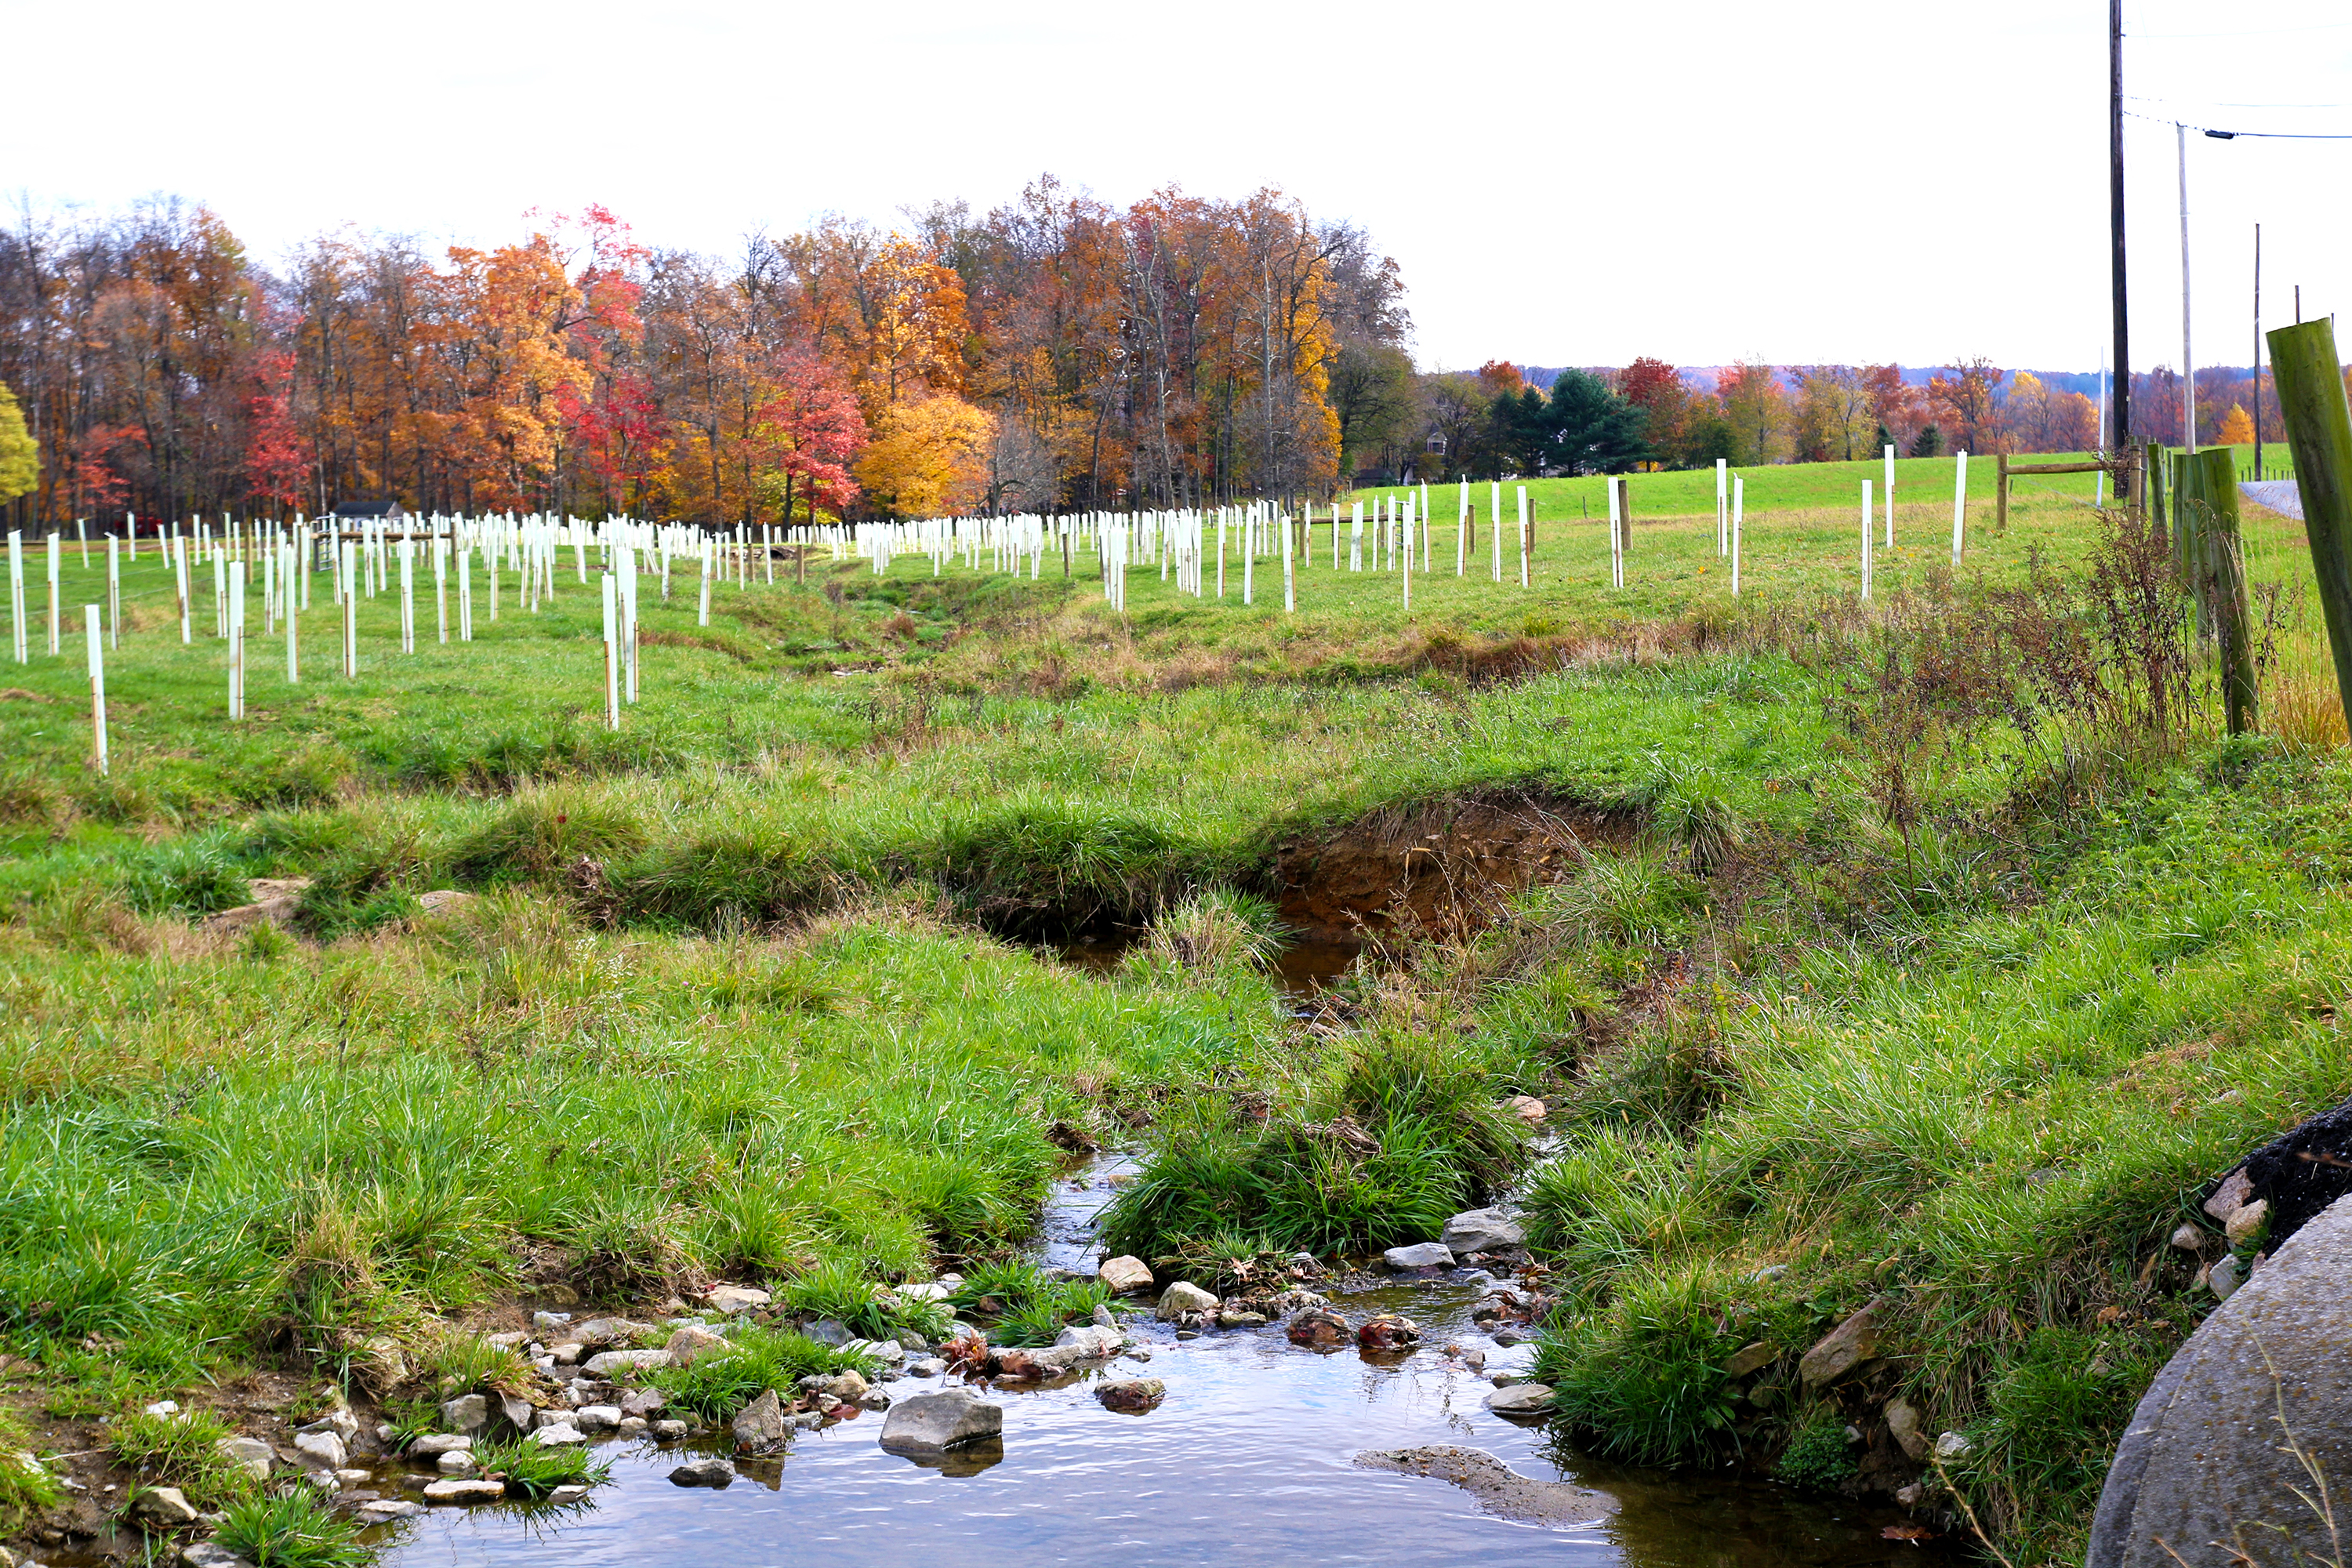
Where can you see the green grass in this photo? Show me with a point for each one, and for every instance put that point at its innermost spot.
(181, 1450)
(532, 1470)
(25, 1488)
(293, 1529)
(728, 1004)
(715, 1386)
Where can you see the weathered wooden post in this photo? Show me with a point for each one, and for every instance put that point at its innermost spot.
(2001, 493)
(2212, 492)
(2310, 382)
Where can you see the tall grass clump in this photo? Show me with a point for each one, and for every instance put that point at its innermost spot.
(532, 1470)
(1402, 1136)
(291, 1528)
(719, 1383)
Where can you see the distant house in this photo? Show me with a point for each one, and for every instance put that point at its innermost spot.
(366, 512)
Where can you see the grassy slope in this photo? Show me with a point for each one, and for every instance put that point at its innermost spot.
(1831, 1055)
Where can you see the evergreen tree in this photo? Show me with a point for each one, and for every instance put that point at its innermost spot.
(1593, 430)
(1929, 443)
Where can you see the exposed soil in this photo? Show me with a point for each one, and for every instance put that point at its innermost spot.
(1442, 865)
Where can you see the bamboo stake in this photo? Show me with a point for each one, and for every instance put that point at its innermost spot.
(2310, 381)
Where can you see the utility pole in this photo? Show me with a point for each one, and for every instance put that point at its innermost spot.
(2258, 351)
(2188, 359)
(2115, 221)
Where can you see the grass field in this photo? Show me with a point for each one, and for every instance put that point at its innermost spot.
(734, 998)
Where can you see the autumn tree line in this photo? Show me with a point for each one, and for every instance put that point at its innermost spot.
(1057, 351)
(1489, 422)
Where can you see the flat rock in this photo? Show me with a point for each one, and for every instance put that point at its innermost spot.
(610, 1361)
(165, 1508)
(1496, 1487)
(1481, 1230)
(597, 1333)
(2205, 1458)
(1185, 1297)
(322, 1450)
(1420, 1255)
(1091, 1340)
(1843, 1348)
(1751, 1358)
(436, 1443)
(2247, 1223)
(1125, 1276)
(709, 1471)
(1319, 1326)
(1131, 1395)
(563, 1495)
(207, 1554)
(2235, 1191)
(455, 1462)
(934, 1423)
(562, 1435)
(829, 1331)
(1521, 1399)
(596, 1417)
(642, 1402)
(465, 1491)
(733, 1298)
(1910, 1434)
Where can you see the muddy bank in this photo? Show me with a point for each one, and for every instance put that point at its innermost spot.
(1438, 866)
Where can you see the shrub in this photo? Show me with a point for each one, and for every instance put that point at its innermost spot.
(1818, 1454)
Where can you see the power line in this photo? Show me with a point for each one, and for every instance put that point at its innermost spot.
(2233, 135)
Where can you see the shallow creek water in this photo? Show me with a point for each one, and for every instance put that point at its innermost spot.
(1250, 1459)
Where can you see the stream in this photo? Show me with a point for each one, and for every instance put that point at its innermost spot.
(1250, 1459)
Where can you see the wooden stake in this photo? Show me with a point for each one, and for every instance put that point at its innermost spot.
(1960, 501)
(2310, 381)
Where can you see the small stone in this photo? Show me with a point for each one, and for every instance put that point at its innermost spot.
(1319, 1326)
(2222, 1279)
(1387, 1332)
(708, 1471)
(1188, 1333)
(562, 1496)
(1093, 1342)
(199, 1554)
(340, 1422)
(669, 1431)
(1421, 1255)
(2188, 1238)
(847, 1386)
(2247, 1223)
(512, 1340)
(324, 1450)
(1131, 1395)
(829, 1331)
(1185, 1297)
(929, 1366)
(1125, 1276)
(759, 1426)
(1241, 1319)
(1527, 1108)
(1903, 1424)
(934, 1423)
(2234, 1193)
(1521, 1399)
(436, 1443)
(163, 1409)
(873, 1399)
(922, 1291)
(1506, 1338)
(251, 1454)
(631, 1426)
(1482, 1230)
(465, 1491)
(568, 1354)
(456, 1462)
(642, 1402)
(562, 1435)
(518, 1413)
(1911, 1496)
(550, 1322)
(163, 1507)
(1751, 1358)
(1843, 1348)
(467, 1414)
(733, 1298)
(384, 1510)
(1952, 1446)
(596, 1417)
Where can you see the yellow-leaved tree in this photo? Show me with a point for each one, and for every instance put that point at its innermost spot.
(930, 457)
(20, 455)
(2237, 430)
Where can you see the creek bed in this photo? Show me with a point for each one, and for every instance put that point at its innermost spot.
(1251, 1459)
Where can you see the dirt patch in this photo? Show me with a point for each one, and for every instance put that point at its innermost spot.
(1438, 865)
(1495, 1486)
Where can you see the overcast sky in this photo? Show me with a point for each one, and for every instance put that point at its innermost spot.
(1563, 184)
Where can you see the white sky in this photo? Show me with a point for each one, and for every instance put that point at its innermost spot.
(1563, 184)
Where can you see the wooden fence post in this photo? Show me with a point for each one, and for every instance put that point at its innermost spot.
(2223, 557)
(2001, 493)
(2310, 383)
